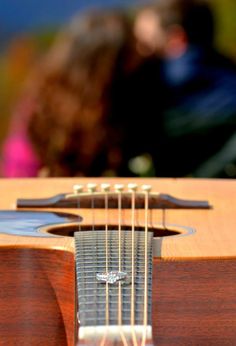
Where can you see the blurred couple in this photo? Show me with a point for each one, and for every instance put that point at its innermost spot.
(140, 92)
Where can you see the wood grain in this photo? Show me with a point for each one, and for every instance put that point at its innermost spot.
(37, 297)
(194, 302)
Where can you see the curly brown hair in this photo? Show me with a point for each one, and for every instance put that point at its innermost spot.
(72, 128)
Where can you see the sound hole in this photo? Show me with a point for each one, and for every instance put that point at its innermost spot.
(69, 230)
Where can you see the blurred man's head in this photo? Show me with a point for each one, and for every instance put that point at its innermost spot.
(167, 27)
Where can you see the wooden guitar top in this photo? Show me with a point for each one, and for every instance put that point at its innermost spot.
(204, 233)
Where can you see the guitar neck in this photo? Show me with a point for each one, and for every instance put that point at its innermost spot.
(114, 287)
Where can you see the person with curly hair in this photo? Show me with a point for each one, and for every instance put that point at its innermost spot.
(78, 111)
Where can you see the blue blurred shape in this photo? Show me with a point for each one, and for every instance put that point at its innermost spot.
(24, 15)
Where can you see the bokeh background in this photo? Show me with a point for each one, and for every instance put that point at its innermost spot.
(27, 28)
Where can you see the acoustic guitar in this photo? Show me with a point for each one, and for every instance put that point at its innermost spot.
(121, 262)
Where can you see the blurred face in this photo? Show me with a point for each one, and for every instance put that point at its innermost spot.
(152, 38)
(150, 35)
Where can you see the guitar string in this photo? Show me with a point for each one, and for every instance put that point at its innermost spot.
(93, 214)
(119, 257)
(95, 247)
(105, 189)
(132, 314)
(146, 194)
(77, 191)
(107, 258)
(91, 189)
(78, 206)
(119, 190)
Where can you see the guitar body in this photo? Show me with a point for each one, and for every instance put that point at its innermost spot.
(193, 272)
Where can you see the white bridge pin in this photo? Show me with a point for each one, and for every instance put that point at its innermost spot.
(105, 187)
(119, 187)
(132, 187)
(146, 188)
(77, 188)
(92, 187)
